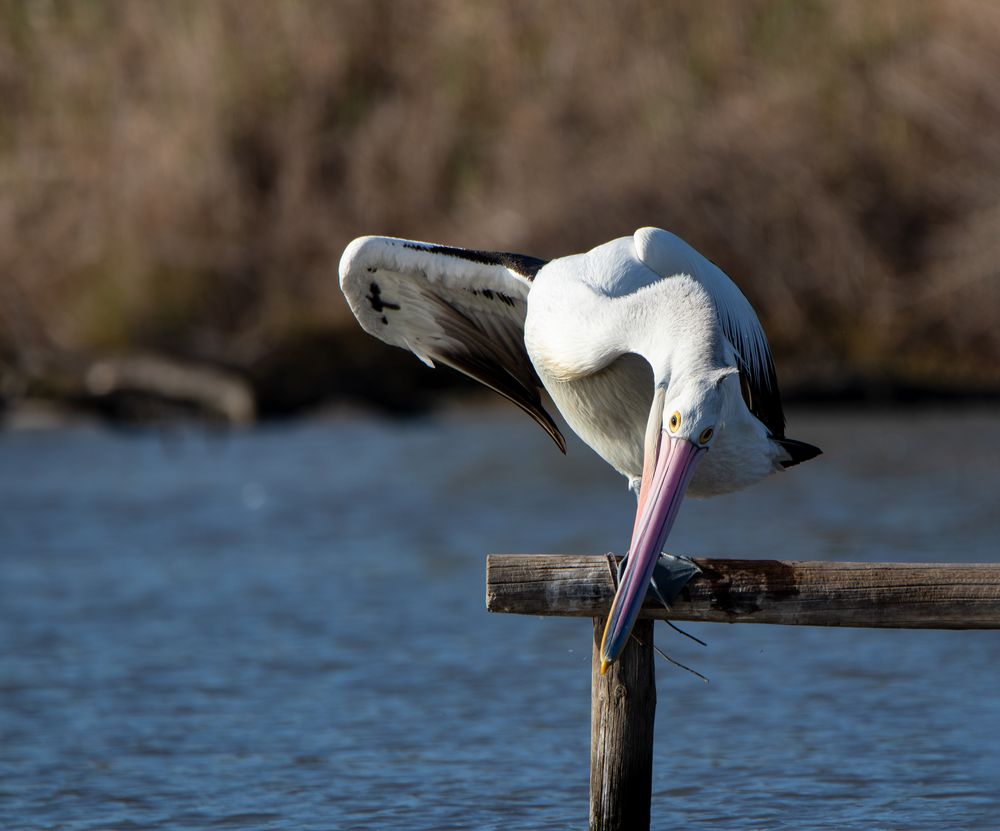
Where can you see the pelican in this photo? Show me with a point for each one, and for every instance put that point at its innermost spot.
(649, 351)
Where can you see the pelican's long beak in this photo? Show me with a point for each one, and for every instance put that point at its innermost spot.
(667, 468)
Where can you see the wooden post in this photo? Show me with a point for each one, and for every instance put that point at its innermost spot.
(623, 707)
(623, 701)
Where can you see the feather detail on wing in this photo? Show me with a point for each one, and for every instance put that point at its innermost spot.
(459, 307)
(667, 255)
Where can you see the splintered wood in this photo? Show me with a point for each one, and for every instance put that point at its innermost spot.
(802, 593)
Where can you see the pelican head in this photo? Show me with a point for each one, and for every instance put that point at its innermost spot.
(691, 408)
(683, 422)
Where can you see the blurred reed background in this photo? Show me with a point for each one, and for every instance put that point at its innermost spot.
(178, 180)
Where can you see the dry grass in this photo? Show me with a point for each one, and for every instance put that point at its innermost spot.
(184, 175)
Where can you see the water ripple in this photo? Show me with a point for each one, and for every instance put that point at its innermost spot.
(284, 628)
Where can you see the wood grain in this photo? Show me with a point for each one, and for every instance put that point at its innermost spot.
(800, 593)
(622, 712)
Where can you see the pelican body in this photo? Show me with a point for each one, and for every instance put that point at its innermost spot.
(649, 351)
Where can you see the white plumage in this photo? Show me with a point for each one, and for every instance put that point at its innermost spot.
(651, 353)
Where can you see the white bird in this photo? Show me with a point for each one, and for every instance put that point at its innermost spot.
(651, 353)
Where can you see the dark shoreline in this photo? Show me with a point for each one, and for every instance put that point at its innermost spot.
(138, 390)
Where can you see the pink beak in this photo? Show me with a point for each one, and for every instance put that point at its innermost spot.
(665, 477)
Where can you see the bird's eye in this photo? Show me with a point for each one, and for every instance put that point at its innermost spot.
(675, 422)
(706, 435)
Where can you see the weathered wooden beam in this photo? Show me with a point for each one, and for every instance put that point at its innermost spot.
(804, 593)
(622, 712)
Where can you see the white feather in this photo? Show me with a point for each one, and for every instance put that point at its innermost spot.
(599, 330)
(460, 307)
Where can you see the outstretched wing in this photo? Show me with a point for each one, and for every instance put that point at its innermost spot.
(455, 306)
(667, 253)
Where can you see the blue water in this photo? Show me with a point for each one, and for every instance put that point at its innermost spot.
(285, 628)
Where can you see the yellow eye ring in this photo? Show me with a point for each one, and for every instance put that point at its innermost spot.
(675, 422)
(706, 435)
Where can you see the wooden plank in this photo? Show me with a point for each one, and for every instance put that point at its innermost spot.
(810, 593)
(622, 711)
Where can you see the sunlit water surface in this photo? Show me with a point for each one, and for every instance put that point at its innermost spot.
(284, 628)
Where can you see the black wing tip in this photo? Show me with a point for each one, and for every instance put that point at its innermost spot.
(800, 451)
(541, 417)
(517, 390)
(521, 264)
(557, 437)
